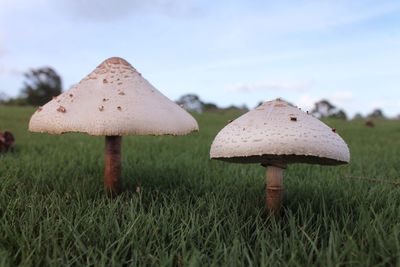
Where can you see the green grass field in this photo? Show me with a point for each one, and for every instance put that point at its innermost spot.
(192, 211)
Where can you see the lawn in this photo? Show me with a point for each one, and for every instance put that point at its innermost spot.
(182, 209)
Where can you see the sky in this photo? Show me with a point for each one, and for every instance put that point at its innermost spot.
(227, 52)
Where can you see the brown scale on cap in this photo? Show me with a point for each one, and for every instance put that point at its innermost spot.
(293, 118)
(39, 109)
(101, 108)
(334, 130)
(119, 108)
(279, 104)
(61, 109)
(105, 81)
(71, 95)
(117, 60)
(92, 76)
(121, 93)
(105, 99)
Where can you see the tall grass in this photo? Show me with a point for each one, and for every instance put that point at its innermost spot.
(191, 211)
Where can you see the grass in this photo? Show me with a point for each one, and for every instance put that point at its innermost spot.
(191, 211)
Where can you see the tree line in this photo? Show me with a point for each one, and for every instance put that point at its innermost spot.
(42, 84)
(39, 87)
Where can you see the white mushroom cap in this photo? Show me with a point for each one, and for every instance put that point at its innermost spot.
(113, 100)
(276, 133)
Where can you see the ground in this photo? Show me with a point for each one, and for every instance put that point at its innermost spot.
(180, 208)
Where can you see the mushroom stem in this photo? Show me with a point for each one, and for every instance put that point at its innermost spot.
(274, 189)
(112, 165)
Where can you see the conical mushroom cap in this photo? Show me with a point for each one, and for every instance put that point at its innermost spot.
(113, 100)
(276, 133)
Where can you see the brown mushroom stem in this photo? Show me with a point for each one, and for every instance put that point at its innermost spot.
(112, 165)
(274, 189)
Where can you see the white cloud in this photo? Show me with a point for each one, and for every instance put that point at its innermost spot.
(9, 71)
(286, 19)
(306, 101)
(299, 86)
(337, 98)
(104, 10)
(341, 96)
(386, 104)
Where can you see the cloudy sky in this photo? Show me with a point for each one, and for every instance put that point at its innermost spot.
(227, 52)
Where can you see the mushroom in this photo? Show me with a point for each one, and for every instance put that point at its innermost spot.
(276, 134)
(98, 109)
(7, 141)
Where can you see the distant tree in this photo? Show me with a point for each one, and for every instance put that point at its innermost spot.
(376, 114)
(340, 114)
(41, 85)
(6, 100)
(191, 102)
(325, 109)
(17, 101)
(209, 106)
(3, 97)
(358, 116)
(244, 107)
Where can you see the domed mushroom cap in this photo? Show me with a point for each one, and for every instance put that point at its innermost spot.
(113, 100)
(278, 133)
